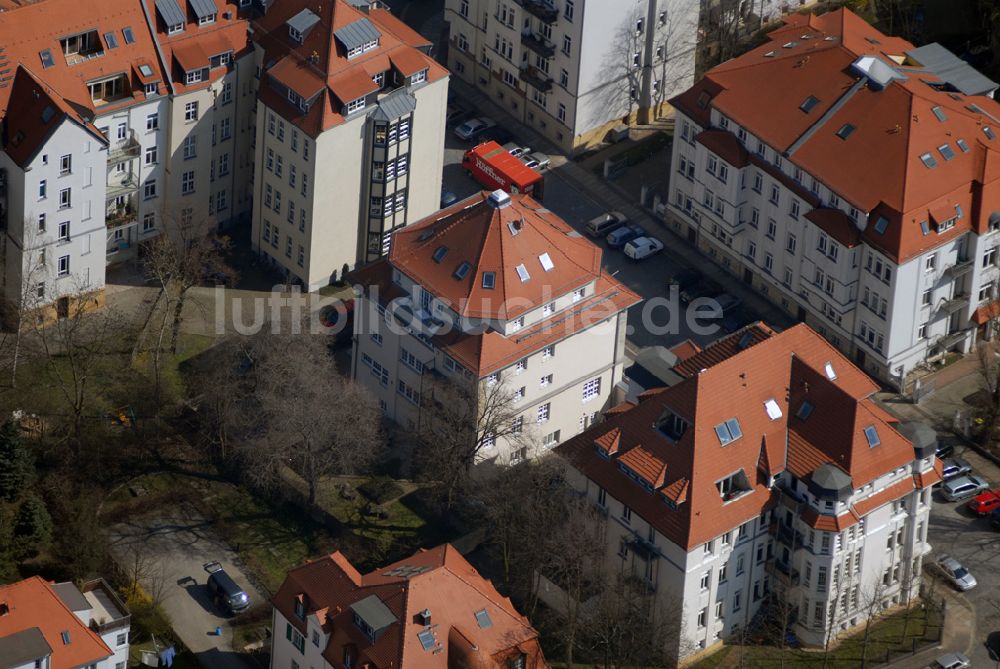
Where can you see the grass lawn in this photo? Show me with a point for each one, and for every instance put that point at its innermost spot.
(887, 637)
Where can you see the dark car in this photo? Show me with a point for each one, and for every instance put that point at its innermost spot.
(685, 278)
(736, 319)
(226, 595)
(944, 450)
(457, 113)
(619, 238)
(702, 288)
(496, 133)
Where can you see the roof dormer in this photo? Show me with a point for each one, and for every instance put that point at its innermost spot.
(358, 37)
(300, 25)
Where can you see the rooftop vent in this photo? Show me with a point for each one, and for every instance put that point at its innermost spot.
(770, 54)
(522, 272)
(789, 45)
(828, 370)
(546, 261)
(772, 409)
(499, 199)
(425, 617)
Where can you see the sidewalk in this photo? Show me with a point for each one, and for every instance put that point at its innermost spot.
(959, 623)
(954, 389)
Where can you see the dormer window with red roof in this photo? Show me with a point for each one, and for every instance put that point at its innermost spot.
(355, 105)
(419, 77)
(733, 486)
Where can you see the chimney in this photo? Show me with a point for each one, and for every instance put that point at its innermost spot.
(518, 224)
(425, 617)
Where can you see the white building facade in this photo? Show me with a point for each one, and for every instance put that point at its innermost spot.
(574, 69)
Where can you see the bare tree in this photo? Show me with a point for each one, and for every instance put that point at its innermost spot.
(460, 422)
(295, 410)
(34, 275)
(629, 629)
(872, 597)
(142, 571)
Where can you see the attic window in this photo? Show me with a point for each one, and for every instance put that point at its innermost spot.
(988, 131)
(65, 637)
(728, 431)
(828, 370)
(946, 152)
(962, 145)
(928, 160)
(483, 619)
(489, 280)
(808, 104)
(925, 228)
(845, 131)
(522, 272)
(744, 341)
(128, 35)
(769, 54)
(881, 224)
(805, 410)
(959, 213)
(112, 40)
(427, 640)
(772, 409)
(48, 113)
(514, 227)
(462, 270)
(546, 262)
(789, 45)
(733, 486)
(439, 254)
(939, 113)
(703, 99)
(295, 34)
(872, 436)
(672, 426)
(46, 56)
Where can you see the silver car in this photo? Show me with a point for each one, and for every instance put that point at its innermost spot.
(963, 487)
(536, 160)
(953, 467)
(951, 661)
(956, 573)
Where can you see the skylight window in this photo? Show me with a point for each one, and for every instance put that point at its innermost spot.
(112, 40)
(789, 45)
(925, 228)
(514, 228)
(845, 131)
(959, 212)
(462, 270)
(988, 131)
(65, 637)
(728, 431)
(962, 145)
(439, 254)
(769, 54)
(427, 640)
(828, 370)
(546, 261)
(703, 99)
(744, 341)
(128, 35)
(483, 619)
(872, 436)
(808, 104)
(48, 113)
(145, 70)
(489, 280)
(522, 272)
(939, 113)
(46, 56)
(881, 224)
(946, 152)
(805, 409)
(928, 160)
(772, 409)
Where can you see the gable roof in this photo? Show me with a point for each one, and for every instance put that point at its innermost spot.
(760, 386)
(470, 621)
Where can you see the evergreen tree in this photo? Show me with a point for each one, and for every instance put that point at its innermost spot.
(32, 528)
(17, 469)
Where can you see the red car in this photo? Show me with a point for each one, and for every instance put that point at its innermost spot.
(985, 503)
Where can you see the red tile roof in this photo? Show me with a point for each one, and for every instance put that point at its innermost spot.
(685, 349)
(724, 348)
(439, 580)
(986, 313)
(32, 603)
(730, 383)
(878, 167)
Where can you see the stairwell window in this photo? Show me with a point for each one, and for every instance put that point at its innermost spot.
(592, 389)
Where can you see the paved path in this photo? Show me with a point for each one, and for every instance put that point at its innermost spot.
(178, 544)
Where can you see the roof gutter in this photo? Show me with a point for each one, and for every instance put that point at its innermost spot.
(151, 24)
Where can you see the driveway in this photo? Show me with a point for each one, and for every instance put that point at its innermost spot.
(177, 544)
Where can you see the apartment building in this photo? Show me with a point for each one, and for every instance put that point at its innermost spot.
(574, 69)
(117, 122)
(767, 475)
(846, 175)
(431, 609)
(495, 292)
(349, 135)
(60, 626)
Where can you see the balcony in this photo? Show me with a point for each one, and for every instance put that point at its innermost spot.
(788, 536)
(950, 306)
(540, 9)
(538, 44)
(783, 572)
(121, 184)
(960, 268)
(537, 78)
(123, 150)
(119, 213)
(952, 338)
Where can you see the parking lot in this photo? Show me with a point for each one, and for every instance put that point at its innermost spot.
(956, 531)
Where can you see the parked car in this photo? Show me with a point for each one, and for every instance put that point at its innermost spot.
(226, 595)
(618, 238)
(944, 450)
(457, 113)
(956, 573)
(599, 226)
(953, 467)
(951, 661)
(727, 302)
(985, 503)
(516, 150)
(536, 160)
(963, 487)
(474, 127)
(703, 288)
(995, 518)
(735, 319)
(497, 133)
(685, 278)
(447, 198)
(643, 247)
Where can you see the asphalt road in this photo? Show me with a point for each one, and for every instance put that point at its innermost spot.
(975, 543)
(178, 545)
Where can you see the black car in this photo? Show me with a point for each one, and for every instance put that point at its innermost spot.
(497, 134)
(701, 288)
(944, 450)
(736, 319)
(225, 594)
(684, 279)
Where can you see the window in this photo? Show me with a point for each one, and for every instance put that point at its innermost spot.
(191, 112)
(190, 147)
(567, 44)
(63, 265)
(775, 194)
(225, 129)
(568, 10)
(737, 600)
(64, 231)
(149, 189)
(728, 431)
(187, 183)
(43, 189)
(65, 164)
(548, 352)
(65, 198)
(990, 257)
(551, 439)
(768, 262)
(925, 297)
(355, 105)
(153, 121)
(545, 381)
(542, 413)
(194, 76)
(152, 155)
(41, 223)
(930, 262)
(592, 389)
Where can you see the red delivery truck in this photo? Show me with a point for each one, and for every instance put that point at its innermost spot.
(492, 166)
